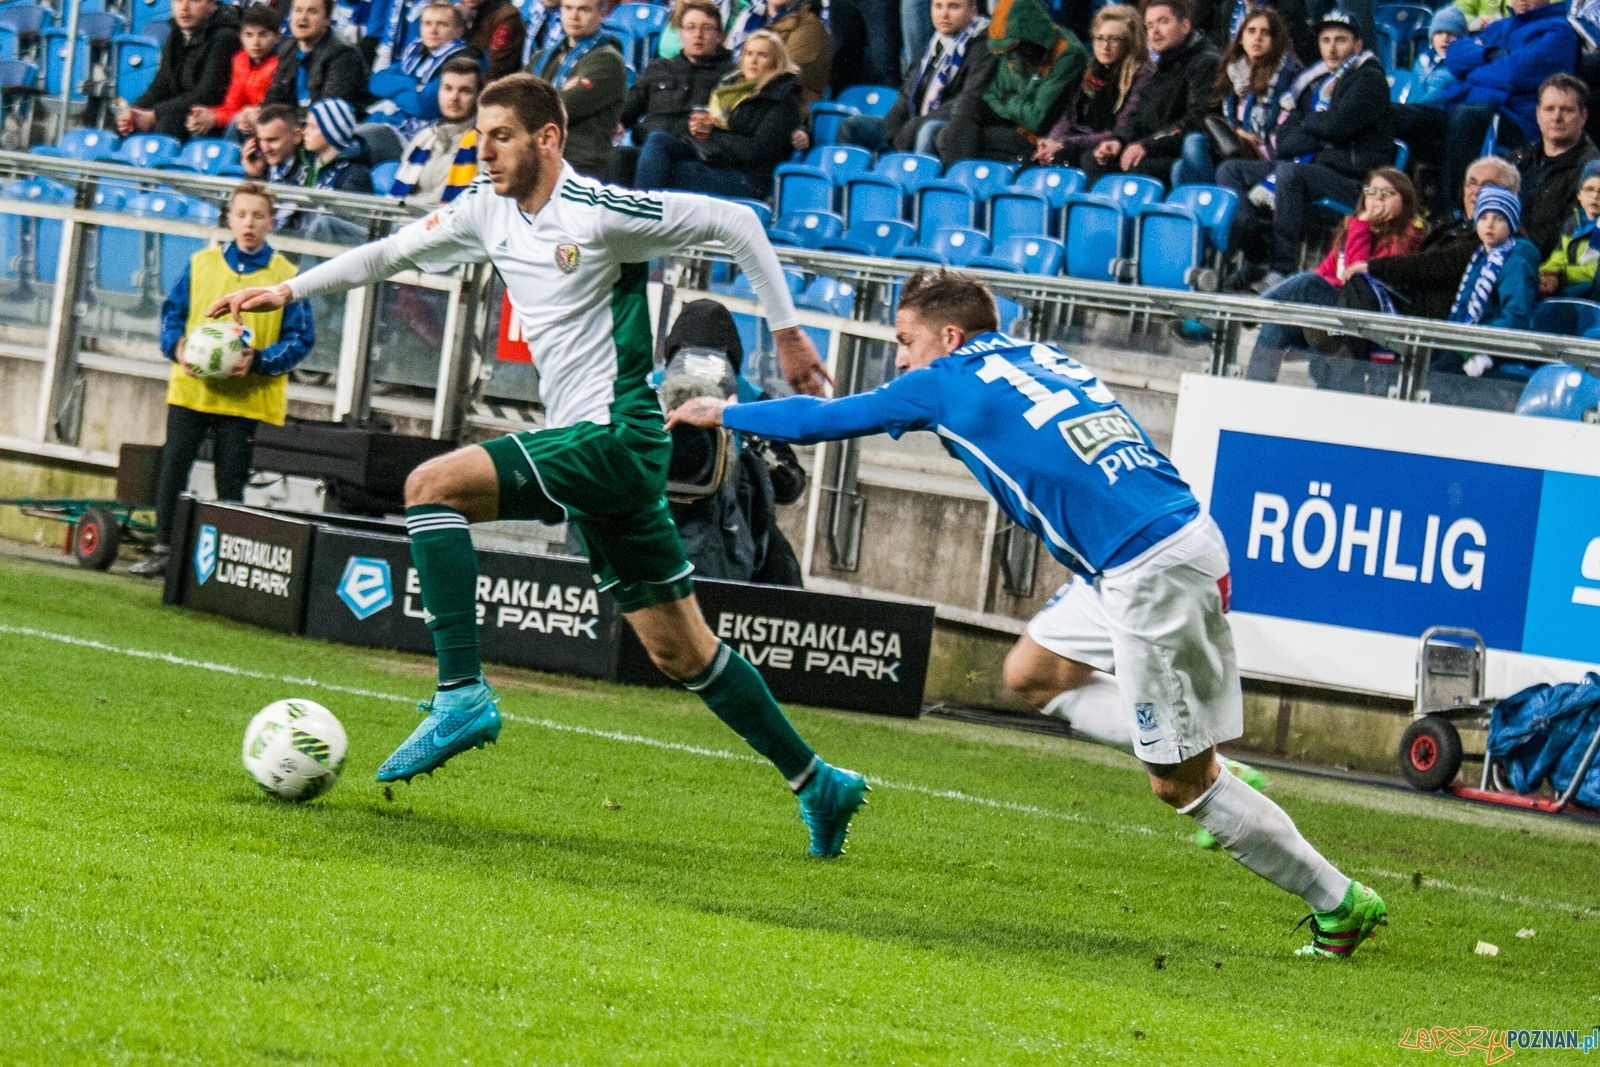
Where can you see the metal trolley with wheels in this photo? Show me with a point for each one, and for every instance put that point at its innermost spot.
(1450, 691)
(95, 528)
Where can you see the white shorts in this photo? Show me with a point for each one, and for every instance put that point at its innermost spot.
(1157, 622)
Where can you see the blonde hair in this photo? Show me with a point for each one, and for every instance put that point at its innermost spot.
(780, 53)
(1138, 51)
(253, 189)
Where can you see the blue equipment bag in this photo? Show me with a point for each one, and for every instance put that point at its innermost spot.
(1544, 731)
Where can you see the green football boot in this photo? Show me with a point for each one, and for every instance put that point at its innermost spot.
(827, 803)
(1336, 934)
(1246, 774)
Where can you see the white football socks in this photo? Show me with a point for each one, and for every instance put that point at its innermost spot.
(1095, 710)
(1260, 835)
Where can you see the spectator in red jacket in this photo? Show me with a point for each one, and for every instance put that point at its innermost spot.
(253, 67)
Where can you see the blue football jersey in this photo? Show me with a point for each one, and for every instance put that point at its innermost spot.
(1044, 436)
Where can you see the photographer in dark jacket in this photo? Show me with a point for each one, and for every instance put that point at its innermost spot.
(1339, 129)
(664, 96)
(1174, 103)
(196, 67)
(736, 143)
(315, 65)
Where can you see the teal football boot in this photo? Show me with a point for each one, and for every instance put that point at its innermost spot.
(458, 719)
(827, 802)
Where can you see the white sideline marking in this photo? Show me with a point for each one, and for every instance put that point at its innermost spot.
(715, 753)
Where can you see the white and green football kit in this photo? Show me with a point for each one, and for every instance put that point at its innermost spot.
(575, 273)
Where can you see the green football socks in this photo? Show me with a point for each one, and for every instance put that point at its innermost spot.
(447, 570)
(740, 697)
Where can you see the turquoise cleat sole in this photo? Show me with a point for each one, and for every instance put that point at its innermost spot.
(827, 803)
(457, 720)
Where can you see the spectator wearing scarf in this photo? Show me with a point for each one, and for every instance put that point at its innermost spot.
(1257, 71)
(1500, 285)
(956, 62)
(544, 31)
(409, 89)
(1570, 269)
(804, 35)
(588, 70)
(1118, 70)
(442, 159)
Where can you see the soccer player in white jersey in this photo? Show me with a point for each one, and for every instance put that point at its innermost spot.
(574, 254)
(1063, 459)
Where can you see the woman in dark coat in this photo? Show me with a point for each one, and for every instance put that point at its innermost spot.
(1119, 66)
(1258, 68)
(740, 139)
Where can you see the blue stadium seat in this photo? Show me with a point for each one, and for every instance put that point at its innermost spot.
(144, 12)
(1013, 213)
(89, 145)
(762, 209)
(871, 198)
(797, 187)
(1560, 391)
(175, 250)
(119, 253)
(1399, 86)
(1010, 314)
(1213, 206)
(157, 31)
(1402, 30)
(148, 150)
(841, 162)
(54, 43)
(1170, 246)
(17, 84)
(869, 99)
(1130, 191)
(808, 228)
(9, 48)
(209, 155)
(981, 177)
(383, 178)
(1569, 318)
(958, 245)
(1025, 255)
(873, 237)
(99, 25)
(1055, 184)
(829, 296)
(48, 150)
(1094, 226)
(137, 59)
(42, 235)
(940, 205)
(907, 169)
(825, 119)
(645, 22)
(27, 19)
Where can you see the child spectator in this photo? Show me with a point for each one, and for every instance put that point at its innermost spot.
(253, 67)
(1501, 283)
(1430, 78)
(442, 159)
(409, 89)
(227, 408)
(1570, 269)
(1385, 224)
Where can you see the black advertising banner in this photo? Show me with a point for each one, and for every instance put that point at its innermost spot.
(533, 611)
(812, 648)
(247, 565)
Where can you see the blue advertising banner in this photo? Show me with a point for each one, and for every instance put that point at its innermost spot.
(1396, 542)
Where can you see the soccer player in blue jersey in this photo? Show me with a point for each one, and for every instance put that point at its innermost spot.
(1147, 600)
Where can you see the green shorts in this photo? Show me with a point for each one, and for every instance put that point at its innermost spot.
(610, 482)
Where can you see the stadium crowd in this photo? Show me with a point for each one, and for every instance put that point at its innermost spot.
(1350, 139)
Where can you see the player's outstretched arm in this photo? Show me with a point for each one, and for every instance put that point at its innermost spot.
(802, 367)
(802, 420)
(270, 299)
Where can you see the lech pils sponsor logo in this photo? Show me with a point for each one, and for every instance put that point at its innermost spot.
(205, 553)
(365, 587)
(1090, 435)
(567, 258)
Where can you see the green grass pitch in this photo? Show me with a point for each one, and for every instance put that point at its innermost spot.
(617, 882)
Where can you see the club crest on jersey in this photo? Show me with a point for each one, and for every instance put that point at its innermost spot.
(567, 258)
(1090, 435)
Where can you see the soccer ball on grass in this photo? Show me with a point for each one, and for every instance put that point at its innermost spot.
(294, 749)
(215, 349)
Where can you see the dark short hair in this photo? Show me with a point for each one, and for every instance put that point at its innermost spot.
(535, 101)
(944, 298)
(262, 17)
(1179, 8)
(1566, 83)
(705, 7)
(279, 113)
(464, 65)
(253, 189)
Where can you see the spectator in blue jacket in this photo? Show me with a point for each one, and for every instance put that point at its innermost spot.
(1501, 283)
(409, 87)
(1430, 74)
(1498, 74)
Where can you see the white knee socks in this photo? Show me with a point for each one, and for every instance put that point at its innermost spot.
(1260, 835)
(1095, 710)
